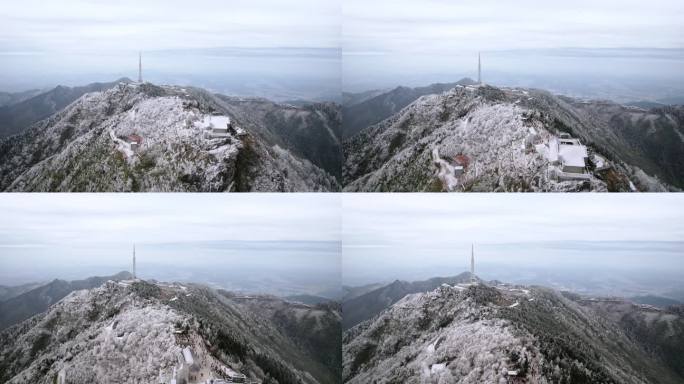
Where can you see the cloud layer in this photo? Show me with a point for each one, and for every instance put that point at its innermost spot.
(387, 234)
(129, 25)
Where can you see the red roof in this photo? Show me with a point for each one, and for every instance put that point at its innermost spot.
(462, 160)
(135, 139)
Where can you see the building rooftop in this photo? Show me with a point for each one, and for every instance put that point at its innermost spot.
(134, 138)
(220, 122)
(573, 155)
(187, 355)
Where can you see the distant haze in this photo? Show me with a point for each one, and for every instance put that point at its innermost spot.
(634, 48)
(569, 241)
(264, 48)
(255, 242)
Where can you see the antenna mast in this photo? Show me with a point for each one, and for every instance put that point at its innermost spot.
(479, 69)
(134, 277)
(472, 263)
(140, 67)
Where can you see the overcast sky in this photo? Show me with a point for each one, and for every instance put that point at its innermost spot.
(46, 235)
(628, 50)
(386, 235)
(442, 25)
(34, 26)
(72, 42)
(388, 42)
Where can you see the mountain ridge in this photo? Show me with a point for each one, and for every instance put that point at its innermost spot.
(376, 106)
(480, 333)
(16, 117)
(135, 331)
(363, 307)
(37, 300)
(83, 148)
(499, 130)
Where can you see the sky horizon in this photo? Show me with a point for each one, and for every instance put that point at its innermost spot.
(413, 237)
(231, 241)
(76, 42)
(618, 50)
(390, 43)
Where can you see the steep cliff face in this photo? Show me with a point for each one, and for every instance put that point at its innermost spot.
(505, 136)
(85, 147)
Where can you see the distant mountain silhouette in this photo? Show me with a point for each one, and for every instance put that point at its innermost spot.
(360, 115)
(8, 292)
(33, 302)
(366, 306)
(10, 98)
(15, 118)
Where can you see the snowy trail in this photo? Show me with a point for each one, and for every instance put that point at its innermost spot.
(61, 376)
(446, 171)
(108, 333)
(121, 145)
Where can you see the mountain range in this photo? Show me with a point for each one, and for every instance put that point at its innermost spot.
(502, 132)
(26, 108)
(37, 300)
(8, 292)
(360, 308)
(368, 108)
(84, 147)
(137, 331)
(499, 333)
(11, 98)
(404, 139)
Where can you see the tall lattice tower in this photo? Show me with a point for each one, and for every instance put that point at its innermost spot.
(134, 275)
(479, 69)
(472, 263)
(140, 67)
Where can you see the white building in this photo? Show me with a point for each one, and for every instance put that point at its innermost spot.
(217, 126)
(568, 153)
(187, 355)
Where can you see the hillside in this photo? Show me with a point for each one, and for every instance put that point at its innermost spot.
(19, 308)
(365, 109)
(134, 331)
(85, 147)
(350, 292)
(314, 328)
(311, 131)
(15, 117)
(8, 292)
(505, 134)
(10, 98)
(494, 334)
(363, 307)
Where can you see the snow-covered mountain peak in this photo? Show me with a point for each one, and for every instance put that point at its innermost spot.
(482, 138)
(474, 333)
(144, 137)
(135, 331)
